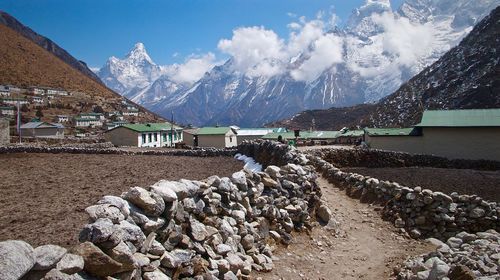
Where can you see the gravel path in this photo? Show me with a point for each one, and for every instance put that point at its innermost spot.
(363, 246)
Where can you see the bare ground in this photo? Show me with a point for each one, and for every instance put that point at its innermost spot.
(486, 184)
(362, 246)
(43, 196)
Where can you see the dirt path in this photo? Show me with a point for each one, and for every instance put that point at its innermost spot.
(363, 246)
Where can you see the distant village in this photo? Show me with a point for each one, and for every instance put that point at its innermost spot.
(33, 113)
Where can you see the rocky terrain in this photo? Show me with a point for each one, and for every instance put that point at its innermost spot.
(255, 221)
(465, 77)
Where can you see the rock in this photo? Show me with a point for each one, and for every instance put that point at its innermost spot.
(132, 233)
(55, 274)
(101, 232)
(164, 189)
(96, 261)
(324, 214)
(116, 201)
(477, 213)
(47, 256)
(156, 248)
(229, 276)
(239, 178)
(399, 223)
(141, 259)
(235, 262)
(454, 242)
(16, 259)
(70, 264)
(248, 242)
(238, 215)
(150, 202)
(439, 270)
(198, 230)
(176, 258)
(122, 254)
(155, 275)
(105, 211)
(268, 182)
(273, 171)
(461, 272)
(223, 249)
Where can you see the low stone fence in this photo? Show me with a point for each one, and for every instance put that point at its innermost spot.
(218, 228)
(422, 212)
(93, 149)
(271, 153)
(373, 158)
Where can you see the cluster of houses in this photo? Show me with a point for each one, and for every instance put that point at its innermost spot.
(457, 134)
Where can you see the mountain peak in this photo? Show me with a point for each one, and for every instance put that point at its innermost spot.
(139, 53)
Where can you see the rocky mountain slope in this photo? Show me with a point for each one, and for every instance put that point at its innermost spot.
(466, 77)
(47, 44)
(376, 56)
(25, 64)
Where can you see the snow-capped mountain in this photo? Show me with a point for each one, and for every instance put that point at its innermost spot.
(377, 51)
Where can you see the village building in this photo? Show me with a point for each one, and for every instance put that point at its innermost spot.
(59, 92)
(132, 112)
(36, 99)
(455, 134)
(98, 116)
(216, 137)
(111, 125)
(42, 130)
(145, 135)
(350, 137)
(255, 133)
(87, 122)
(14, 100)
(190, 137)
(7, 110)
(62, 118)
(4, 131)
(4, 91)
(36, 91)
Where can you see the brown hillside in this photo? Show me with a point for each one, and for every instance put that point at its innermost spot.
(24, 63)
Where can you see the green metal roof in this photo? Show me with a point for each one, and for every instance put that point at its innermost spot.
(213, 130)
(275, 135)
(303, 135)
(461, 118)
(7, 108)
(391, 131)
(150, 127)
(352, 133)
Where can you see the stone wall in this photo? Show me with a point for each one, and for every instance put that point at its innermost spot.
(378, 158)
(103, 148)
(422, 212)
(218, 228)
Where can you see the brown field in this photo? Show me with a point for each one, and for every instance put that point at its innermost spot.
(43, 196)
(486, 184)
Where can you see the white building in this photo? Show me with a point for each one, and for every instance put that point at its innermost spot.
(131, 113)
(62, 118)
(145, 135)
(13, 100)
(92, 116)
(87, 122)
(37, 99)
(8, 111)
(59, 92)
(4, 92)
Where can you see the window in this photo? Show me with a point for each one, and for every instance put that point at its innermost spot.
(156, 137)
(230, 138)
(150, 138)
(164, 137)
(144, 138)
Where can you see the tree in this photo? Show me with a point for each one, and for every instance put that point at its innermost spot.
(98, 109)
(39, 113)
(24, 108)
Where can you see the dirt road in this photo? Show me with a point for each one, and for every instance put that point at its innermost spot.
(362, 246)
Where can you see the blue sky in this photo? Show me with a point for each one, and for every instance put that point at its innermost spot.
(93, 30)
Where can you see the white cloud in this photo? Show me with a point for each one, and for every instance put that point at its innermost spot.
(405, 40)
(327, 51)
(253, 49)
(193, 68)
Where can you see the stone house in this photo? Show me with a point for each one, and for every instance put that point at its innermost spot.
(145, 135)
(42, 130)
(255, 133)
(455, 134)
(7, 110)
